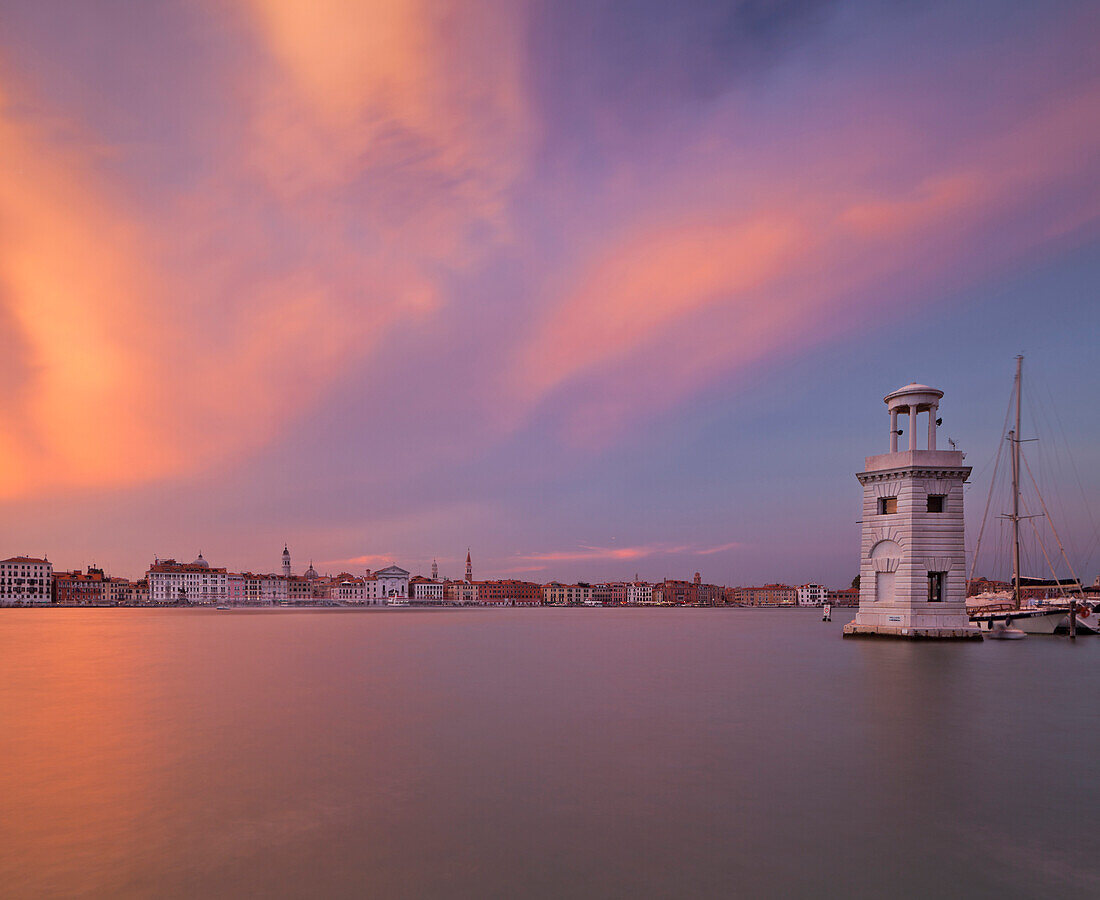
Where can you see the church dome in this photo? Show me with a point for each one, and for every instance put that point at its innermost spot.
(201, 562)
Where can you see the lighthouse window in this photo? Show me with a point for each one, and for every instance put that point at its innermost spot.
(935, 586)
(887, 505)
(937, 502)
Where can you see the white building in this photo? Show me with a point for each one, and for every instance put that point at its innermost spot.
(190, 583)
(347, 589)
(25, 580)
(812, 595)
(912, 576)
(424, 590)
(393, 582)
(639, 592)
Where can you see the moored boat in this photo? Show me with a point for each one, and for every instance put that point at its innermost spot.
(1058, 612)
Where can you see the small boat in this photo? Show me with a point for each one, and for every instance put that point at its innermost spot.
(222, 607)
(1002, 632)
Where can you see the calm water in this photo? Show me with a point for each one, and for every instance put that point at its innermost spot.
(552, 753)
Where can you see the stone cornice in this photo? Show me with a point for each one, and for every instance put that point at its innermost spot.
(961, 473)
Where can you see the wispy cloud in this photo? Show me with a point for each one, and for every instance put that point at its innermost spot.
(624, 553)
(369, 560)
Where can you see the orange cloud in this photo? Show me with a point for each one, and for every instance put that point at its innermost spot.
(71, 272)
(403, 90)
(160, 341)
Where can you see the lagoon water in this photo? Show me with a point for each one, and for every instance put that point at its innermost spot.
(545, 752)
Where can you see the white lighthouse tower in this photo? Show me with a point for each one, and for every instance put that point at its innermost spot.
(912, 573)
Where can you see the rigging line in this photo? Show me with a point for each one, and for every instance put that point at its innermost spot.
(1077, 478)
(985, 514)
(1054, 465)
(1043, 547)
(992, 481)
(1052, 528)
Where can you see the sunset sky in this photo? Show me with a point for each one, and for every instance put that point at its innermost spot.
(593, 288)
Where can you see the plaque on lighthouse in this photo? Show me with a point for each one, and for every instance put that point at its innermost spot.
(912, 573)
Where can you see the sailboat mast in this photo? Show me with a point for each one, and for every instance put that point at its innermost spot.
(1016, 491)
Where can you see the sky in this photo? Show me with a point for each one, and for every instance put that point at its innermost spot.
(595, 288)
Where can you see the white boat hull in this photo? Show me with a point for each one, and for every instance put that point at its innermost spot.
(1035, 621)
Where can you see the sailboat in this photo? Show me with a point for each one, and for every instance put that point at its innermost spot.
(1062, 614)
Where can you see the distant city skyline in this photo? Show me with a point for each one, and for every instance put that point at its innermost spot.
(594, 290)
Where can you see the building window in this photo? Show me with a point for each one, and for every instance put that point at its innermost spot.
(887, 505)
(935, 586)
(937, 503)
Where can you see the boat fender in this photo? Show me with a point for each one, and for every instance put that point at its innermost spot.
(1083, 612)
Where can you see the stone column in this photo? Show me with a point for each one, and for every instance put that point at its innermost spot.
(932, 413)
(894, 431)
(913, 427)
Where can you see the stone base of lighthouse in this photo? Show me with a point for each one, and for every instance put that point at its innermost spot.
(945, 631)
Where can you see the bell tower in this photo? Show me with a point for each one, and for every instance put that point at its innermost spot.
(286, 561)
(912, 573)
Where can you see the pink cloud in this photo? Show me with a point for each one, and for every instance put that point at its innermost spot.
(621, 553)
(368, 560)
(698, 292)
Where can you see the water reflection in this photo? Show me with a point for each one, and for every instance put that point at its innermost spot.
(532, 752)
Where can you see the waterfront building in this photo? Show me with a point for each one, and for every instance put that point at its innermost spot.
(509, 592)
(188, 583)
(319, 587)
(912, 575)
(557, 594)
(299, 589)
(393, 582)
(461, 593)
(671, 592)
(273, 589)
(710, 594)
(139, 592)
(639, 593)
(26, 580)
(601, 593)
(843, 597)
(78, 588)
(812, 595)
(90, 588)
(346, 588)
(253, 588)
(425, 590)
(766, 595)
(116, 591)
(617, 592)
